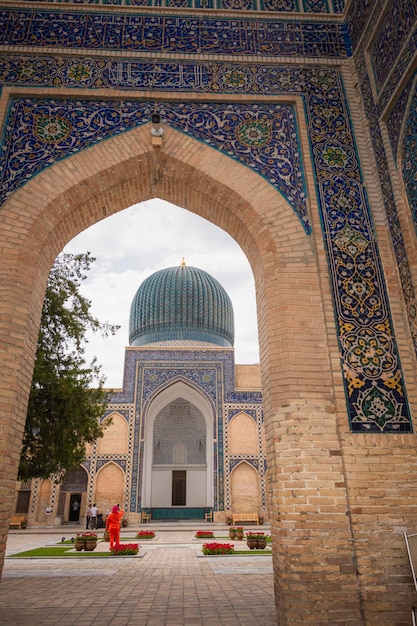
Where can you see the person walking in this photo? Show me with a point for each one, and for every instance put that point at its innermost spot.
(93, 520)
(87, 517)
(113, 525)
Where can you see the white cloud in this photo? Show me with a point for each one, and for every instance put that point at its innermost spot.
(147, 237)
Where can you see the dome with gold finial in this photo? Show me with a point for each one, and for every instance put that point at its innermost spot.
(181, 304)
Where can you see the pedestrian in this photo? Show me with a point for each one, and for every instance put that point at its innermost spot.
(87, 517)
(75, 511)
(113, 525)
(93, 520)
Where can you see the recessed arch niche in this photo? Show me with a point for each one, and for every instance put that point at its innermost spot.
(179, 426)
(243, 435)
(115, 438)
(109, 489)
(245, 488)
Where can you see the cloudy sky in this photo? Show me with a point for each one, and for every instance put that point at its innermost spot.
(131, 245)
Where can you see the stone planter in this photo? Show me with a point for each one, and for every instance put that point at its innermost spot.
(90, 545)
(79, 545)
(261, 544)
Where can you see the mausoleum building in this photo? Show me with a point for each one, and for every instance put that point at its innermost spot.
(185, 435)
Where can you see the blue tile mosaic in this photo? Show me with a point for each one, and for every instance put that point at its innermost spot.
(409, 155)
(375, 392)
(159, 33)
(372, 112)
(395, 120)
(315, 6)
(293, 6)
(396, 65)
(264, 137)
(397, 25)
(359, 14)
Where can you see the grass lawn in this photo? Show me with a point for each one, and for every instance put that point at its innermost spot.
(57, 551)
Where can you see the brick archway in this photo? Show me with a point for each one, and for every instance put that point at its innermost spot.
(39, 219)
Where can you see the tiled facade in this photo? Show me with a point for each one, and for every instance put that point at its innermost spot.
(293, 128)
(209, 371)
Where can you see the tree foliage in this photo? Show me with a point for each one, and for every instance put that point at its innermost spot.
(67, 397)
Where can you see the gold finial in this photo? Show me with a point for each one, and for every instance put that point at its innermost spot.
(183, 262)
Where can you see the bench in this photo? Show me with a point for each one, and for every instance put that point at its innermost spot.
(245, 517)
(16, 521)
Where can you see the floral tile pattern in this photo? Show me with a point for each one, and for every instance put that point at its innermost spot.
(294, 6)
(159, 33)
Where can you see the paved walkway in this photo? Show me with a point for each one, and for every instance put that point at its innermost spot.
(171, 584)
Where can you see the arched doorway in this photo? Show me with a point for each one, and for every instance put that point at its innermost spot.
(178, 455)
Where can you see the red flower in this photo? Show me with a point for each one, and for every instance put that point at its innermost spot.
(122, 549)
(145, 534)
(218, 548)
(204, 534)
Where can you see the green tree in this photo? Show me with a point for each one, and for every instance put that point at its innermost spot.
(67, 397)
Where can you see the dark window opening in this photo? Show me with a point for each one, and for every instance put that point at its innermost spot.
(179, 487)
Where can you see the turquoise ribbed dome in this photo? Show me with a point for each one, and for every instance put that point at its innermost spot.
(181, 304)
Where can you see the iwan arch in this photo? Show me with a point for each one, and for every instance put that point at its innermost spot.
(301, 148)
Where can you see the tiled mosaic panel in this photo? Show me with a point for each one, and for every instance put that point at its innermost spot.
(364, 15)
(409, 155)
(359, 13)
(294, 6)
(372, 111)
(263, 137)
(372, 373)
(395, 120)
(398, 22)
(191, 35)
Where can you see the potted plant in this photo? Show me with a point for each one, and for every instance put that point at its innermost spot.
(90, 541)
(239, 533)
(79, 543)
(256, 540)
(24, 523)
(232, 532)
(252, 540)
(229, 520)
(124, 522)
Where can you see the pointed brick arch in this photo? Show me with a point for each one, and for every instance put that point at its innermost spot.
(243, 435)
(109, 487)
(42, 216)
(115, 438)
(245, 489)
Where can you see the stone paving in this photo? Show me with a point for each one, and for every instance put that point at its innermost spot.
(170, 584)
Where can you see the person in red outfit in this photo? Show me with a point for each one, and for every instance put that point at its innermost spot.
(113, 522)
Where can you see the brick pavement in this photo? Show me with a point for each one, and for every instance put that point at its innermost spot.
(170, 585)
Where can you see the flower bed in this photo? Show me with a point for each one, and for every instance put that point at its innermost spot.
(123, 549)
(218, 548)
(145, 534)
(204, 534)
